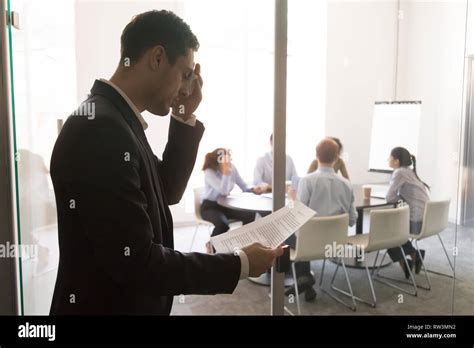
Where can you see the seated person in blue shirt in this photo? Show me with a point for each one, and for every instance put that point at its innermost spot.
(263, 173)
(220, 177)
(328, 194)
(406, 185)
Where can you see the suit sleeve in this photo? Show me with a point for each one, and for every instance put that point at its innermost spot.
(103, 180)
(179, 158)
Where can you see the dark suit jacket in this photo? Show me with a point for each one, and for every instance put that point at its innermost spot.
(115, 227)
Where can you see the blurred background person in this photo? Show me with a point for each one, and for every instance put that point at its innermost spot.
(339, 165)
(328, 194)
(220, 177)
(406, 185)
(263, 172)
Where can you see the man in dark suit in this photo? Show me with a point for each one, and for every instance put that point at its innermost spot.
(112, 192)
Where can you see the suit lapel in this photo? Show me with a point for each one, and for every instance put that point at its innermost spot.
(111, 94)
(156, 178)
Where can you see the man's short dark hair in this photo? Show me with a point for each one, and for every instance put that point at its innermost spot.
(154, 28)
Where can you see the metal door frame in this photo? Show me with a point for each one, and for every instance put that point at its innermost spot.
(467, 142)
(9, 267)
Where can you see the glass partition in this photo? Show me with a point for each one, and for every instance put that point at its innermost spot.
(345, 59)
(463, 289)
(377, 75)
(58, 54)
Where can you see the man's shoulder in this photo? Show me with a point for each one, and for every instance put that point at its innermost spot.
(340, 180)
(329, 177)
(311, 178)
(96, 125)
(345, 185)
(96, 114)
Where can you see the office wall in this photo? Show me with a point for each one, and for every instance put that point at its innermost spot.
(431, 62)
(361, 57)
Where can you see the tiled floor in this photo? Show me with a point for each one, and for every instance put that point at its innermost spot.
(447, 296)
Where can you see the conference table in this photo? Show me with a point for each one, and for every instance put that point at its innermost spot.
(263, 204)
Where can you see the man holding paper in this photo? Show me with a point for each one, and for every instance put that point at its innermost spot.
(113, 194)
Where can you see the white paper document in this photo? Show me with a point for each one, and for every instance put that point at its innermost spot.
(271, 231)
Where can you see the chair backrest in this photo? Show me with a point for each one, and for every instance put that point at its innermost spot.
(435, 218)
(389, 228)
(197, 202)
(320, 233)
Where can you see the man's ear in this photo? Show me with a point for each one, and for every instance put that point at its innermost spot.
(157, 55)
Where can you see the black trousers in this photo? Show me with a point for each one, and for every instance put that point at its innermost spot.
(395, 253)
(219, 216)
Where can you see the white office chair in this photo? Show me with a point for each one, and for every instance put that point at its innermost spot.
(313, 238)
(389, 228)
(197, 213)
(435, 221)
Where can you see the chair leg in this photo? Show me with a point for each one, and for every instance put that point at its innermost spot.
(337, 299)
(413, 281)
(351, 294)
(446, 253)
(375, 262)
(371, 284)
(354, 306)
(293, 269)
(424, 268)
(335, 273)
(375, 269)
(449, 260)
(435, 272)
(194, 237)
(322, 273)
(288, 311)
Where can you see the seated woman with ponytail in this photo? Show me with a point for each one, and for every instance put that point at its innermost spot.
(406, 185)
(220, 177)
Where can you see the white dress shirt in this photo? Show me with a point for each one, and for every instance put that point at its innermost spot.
(263, 172)
(328, 194)
(244, 262)
(406, 186)
(217, 185)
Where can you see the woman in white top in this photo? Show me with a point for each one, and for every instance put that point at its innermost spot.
(406, 185)
(220, 177)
